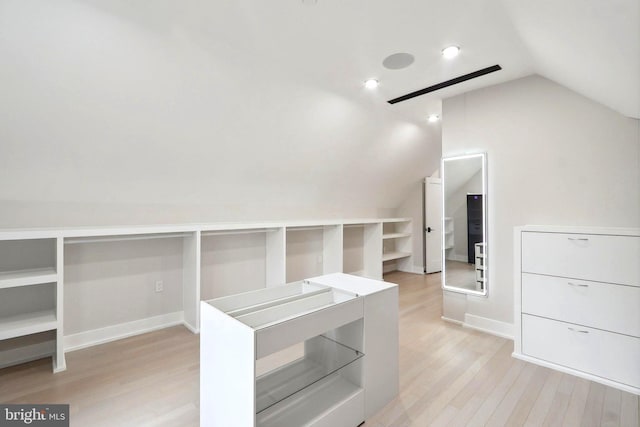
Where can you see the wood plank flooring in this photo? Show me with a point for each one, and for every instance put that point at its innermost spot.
(449, 376)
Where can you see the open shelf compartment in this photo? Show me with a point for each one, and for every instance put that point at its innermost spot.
(323, 357)
(332, 394)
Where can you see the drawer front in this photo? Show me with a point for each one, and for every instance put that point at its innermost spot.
(285, 334)
(611, 259)
(604, 354)
(599, 305)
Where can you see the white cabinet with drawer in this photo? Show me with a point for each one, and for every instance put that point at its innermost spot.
(318, 353)
(577, 301)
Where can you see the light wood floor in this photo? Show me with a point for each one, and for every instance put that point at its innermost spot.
(449, 376)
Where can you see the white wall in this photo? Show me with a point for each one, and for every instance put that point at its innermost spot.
(113, 117)
(304, 254)
(554, 157)
(110, 119)
(109, 283)
(231, 264)
(353, 249)
(412, 205)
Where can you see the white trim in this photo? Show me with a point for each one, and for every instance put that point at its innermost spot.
(489, 326)
(577, 373)
(27, 353)
(389, 267)
(415, 269)
(122, 330)
(456, 257)
(191, 328)
(122, 230)
(450, 320)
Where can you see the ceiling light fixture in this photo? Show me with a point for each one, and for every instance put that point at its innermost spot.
(450, 52)
(371, 84)
(433, 118)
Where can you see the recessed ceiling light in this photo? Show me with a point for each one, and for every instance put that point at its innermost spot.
(371, 84)
(450, 52)
(433, 118)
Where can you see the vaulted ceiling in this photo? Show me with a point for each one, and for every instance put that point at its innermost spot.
(255, 109)
(589, 46)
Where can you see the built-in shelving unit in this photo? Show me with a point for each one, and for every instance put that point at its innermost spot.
(397, 246)
(32, 269)
(330, 384)
(31, 295)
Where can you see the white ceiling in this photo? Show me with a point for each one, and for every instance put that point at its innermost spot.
(590, 46)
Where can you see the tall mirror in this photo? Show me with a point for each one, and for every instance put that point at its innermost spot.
(464, 224)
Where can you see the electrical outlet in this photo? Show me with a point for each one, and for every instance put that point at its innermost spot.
(159, 286)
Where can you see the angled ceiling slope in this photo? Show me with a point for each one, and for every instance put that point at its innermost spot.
(589, 46)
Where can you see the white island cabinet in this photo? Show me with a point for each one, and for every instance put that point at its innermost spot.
(320, 352)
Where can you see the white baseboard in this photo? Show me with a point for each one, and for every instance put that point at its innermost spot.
(620, 386)
(389, 267)
(489, 326)
(415, 269)
(455, 257)
(447, 319)
(26, 353)
(191, 328)
(122, 330)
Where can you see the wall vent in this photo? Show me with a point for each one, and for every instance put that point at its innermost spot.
(447, 83)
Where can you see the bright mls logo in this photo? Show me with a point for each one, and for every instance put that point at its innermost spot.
(34, 415)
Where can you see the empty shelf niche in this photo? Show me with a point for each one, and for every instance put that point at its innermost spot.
(322, 357)
(27, 310)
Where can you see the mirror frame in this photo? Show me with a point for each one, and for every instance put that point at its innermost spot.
(485, 215)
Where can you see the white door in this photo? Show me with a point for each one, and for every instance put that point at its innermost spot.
(433, 221)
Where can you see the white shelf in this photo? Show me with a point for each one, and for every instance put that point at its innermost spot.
(395, 220)
(390, 256)
(395, 235)
(11, 279)
(285, 381)
(26, 324)
(311, 404)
